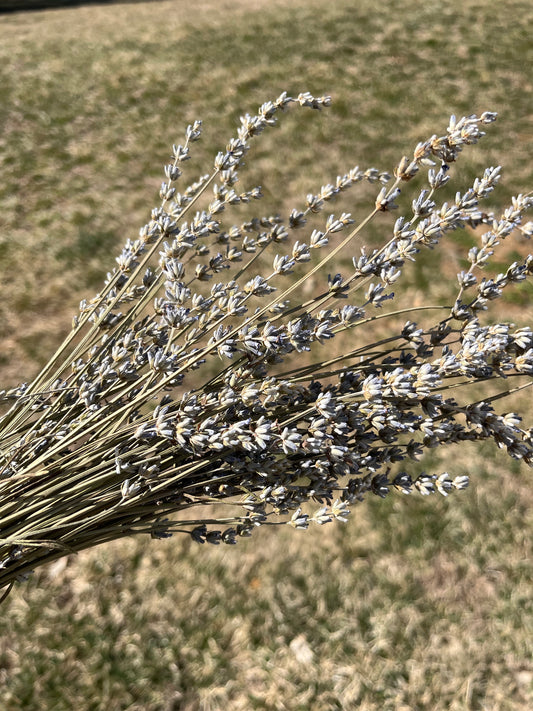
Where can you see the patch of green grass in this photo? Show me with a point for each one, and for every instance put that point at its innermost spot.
(81, 257)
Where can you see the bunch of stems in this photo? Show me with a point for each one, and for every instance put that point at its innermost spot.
(178, 386)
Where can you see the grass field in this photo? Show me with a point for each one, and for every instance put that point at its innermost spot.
(413, 605)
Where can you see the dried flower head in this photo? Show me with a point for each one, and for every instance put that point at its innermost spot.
(177, 386)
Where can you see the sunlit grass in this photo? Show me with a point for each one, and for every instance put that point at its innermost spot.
(408, 606)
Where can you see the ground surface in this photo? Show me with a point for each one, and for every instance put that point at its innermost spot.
(413, 604)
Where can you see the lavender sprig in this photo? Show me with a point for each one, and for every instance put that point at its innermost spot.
(178, 385)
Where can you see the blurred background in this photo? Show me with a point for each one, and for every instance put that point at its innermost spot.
(414, 604)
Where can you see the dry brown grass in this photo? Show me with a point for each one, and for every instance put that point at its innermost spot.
(412, 605)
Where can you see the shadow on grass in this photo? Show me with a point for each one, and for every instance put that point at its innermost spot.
(25, 5)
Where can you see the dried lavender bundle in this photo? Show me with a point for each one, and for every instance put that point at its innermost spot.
(177, 385)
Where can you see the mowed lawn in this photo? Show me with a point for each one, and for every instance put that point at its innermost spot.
(414, 604)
